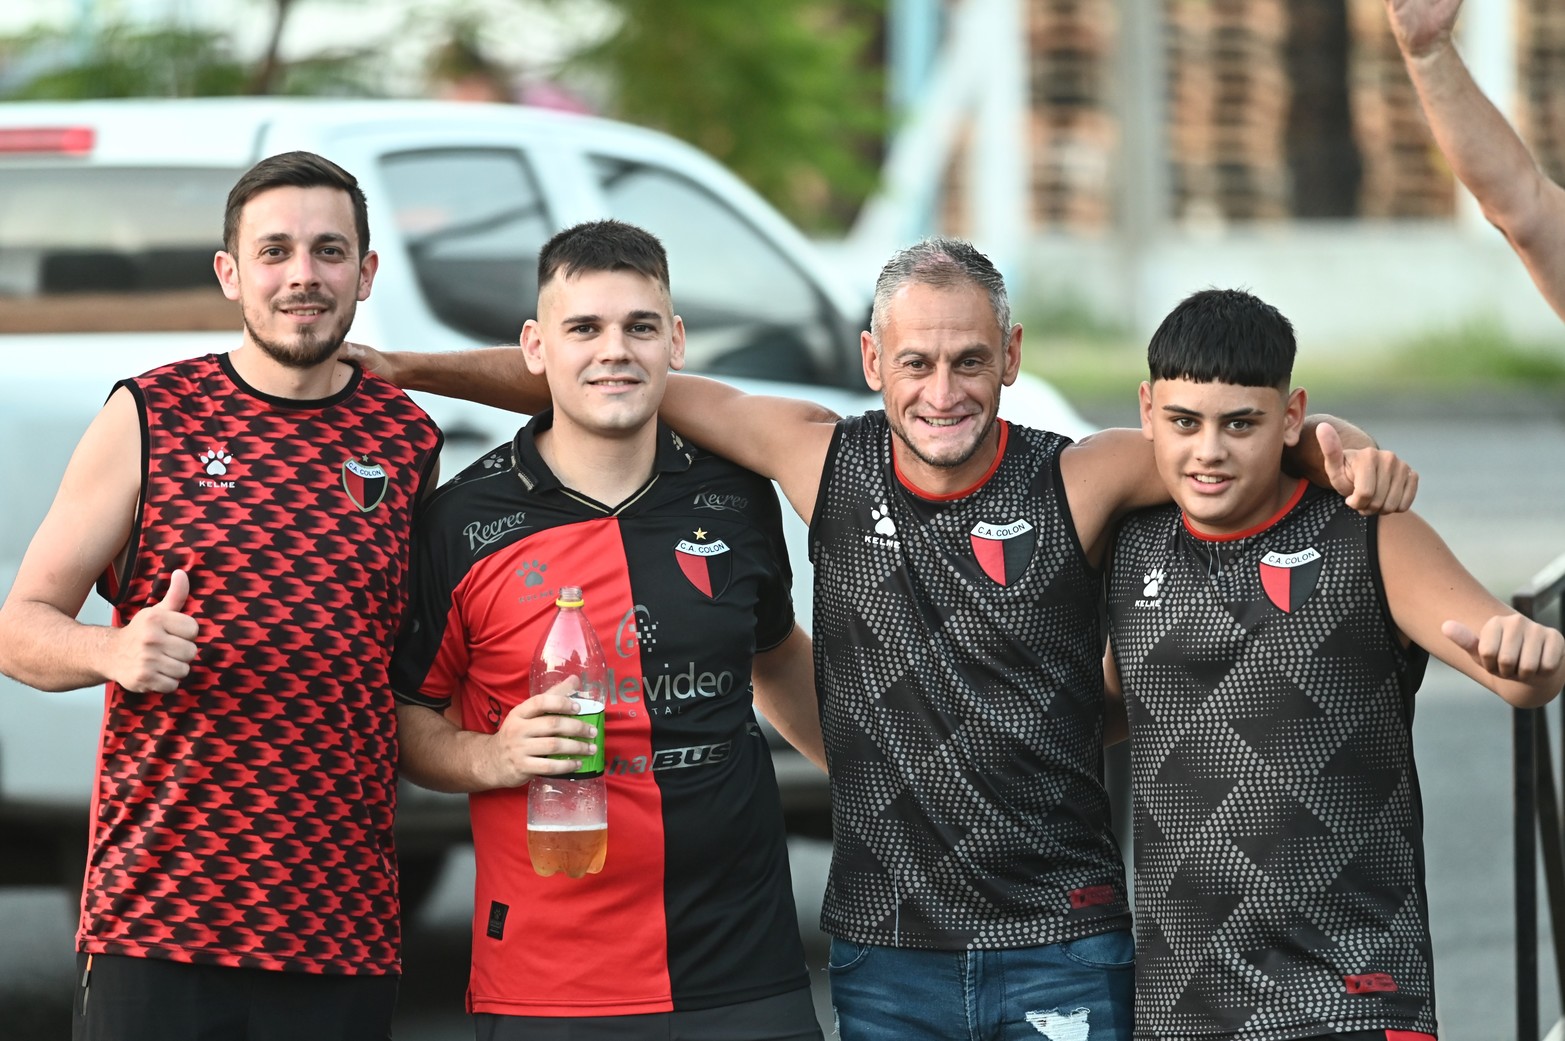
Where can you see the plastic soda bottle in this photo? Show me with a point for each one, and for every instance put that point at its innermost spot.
(567, 815)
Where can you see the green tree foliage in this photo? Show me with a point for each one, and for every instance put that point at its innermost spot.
(783, 92)
(121, 60)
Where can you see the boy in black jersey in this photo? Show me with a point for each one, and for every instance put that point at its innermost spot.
(1268, 640)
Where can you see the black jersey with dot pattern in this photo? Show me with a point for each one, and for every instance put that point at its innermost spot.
(959, 657)
(1279, 867)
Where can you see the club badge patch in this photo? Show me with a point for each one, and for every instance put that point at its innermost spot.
(708, 565)
(1003, 550)
(365, 482)
(1289, 578)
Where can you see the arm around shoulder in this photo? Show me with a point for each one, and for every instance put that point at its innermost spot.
(496, 376)
(785, 439)
(1440, 606)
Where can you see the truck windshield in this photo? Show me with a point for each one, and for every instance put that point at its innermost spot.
(100, 249)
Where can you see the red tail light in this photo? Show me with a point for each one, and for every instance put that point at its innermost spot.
(51, 140)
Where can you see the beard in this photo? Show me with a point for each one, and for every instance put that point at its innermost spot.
(952, 459)
(309, 347)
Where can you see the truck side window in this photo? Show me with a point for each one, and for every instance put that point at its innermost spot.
(748, 310)
(112, 249)
(474, 221)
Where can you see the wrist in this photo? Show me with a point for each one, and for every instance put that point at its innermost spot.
(1440, 49)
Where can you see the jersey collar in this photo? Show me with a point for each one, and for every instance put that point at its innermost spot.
(674, 453)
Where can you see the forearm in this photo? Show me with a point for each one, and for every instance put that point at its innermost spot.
(437, 754)
(46, 649)
(1485, 152)
(784, 682)
(496, 376)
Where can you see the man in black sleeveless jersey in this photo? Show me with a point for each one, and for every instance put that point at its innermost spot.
(1484, 150)
(690, 930)
(248, 515)
(1269, 639)
(975, 882)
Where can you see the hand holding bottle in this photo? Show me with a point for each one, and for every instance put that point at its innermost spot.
(542, 736)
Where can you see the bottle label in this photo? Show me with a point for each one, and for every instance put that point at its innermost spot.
(591, 712)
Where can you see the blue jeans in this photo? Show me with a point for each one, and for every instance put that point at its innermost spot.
(1081, 990)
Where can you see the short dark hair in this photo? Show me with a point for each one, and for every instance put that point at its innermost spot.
(295, 170)
(944, 264)
(1224, 336)
(603, 245)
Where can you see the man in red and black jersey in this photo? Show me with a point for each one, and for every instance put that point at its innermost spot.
(1269, 640)
(249, 516)
(690, 930)
(975, 878)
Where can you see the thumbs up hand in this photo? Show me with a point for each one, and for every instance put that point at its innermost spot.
(1372, 480)
(153, 652)
(1510, 646)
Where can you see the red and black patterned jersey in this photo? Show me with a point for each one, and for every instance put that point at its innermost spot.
(959, 655)
(684, 583)
(1279, 856)
(245, 819)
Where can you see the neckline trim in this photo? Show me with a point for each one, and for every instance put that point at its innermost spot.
(999, 454)
(1293, 500)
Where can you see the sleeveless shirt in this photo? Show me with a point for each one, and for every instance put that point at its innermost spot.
(1279, 866)
(246, 818)
(959, 657)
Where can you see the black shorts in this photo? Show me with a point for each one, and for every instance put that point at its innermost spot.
(786, 1017)
(153, 999)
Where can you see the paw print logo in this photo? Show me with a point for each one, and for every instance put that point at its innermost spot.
(493, 460)
(531, 573)
(1154, 582)
(214, 461)
(884, 525)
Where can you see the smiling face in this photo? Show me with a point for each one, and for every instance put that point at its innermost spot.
(606, 341)
(296, 273)
(1219, 449)
(939, 365)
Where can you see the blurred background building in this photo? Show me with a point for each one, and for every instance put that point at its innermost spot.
(1112, 155)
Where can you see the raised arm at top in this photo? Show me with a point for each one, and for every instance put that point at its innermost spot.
(1484, 150)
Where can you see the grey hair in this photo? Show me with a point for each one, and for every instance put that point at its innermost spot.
(945, 264)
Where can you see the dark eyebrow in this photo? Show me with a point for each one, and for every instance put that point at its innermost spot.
(634, 316)
(1238, 413)
(334, 237)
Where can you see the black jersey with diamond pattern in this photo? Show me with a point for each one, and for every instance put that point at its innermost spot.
(959, 655)
(245, 819)
(1279, 858)
(684, 583)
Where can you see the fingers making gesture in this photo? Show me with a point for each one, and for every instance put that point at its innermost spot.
(1372, 480)
(153, 652)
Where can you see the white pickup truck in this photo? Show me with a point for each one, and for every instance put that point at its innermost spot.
(110, 212)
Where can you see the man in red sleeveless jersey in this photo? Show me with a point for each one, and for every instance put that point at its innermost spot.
(1269, 640)
(248, 515)
(689, 931)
